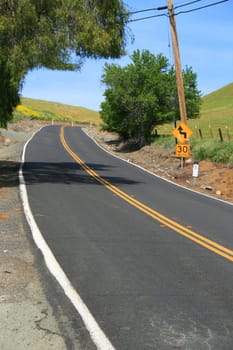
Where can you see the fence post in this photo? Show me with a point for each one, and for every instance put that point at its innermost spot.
(220, 134)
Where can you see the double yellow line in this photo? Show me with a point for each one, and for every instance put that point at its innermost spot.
(173, 225)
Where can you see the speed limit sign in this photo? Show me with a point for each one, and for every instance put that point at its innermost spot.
(183, 150)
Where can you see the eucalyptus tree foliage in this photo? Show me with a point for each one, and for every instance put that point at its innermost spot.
(143, 94)
(56, 34)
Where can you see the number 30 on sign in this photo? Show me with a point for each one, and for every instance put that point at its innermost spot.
(183, 150)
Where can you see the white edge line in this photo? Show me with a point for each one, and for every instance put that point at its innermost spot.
(156, 175)
(97, 335)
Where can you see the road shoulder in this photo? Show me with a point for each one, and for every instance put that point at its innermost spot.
(28, 319)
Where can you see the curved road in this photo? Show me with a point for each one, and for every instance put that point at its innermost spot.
(152, 261)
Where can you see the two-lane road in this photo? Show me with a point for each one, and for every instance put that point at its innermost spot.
(152, 261)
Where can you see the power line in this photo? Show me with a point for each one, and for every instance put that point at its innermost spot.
(140, 11)
(148, 17)
(161, 8)
(152, 9)
(186, 4)
(175, 14)
(202, 7)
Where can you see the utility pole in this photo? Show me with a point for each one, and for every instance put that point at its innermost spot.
(179, 78)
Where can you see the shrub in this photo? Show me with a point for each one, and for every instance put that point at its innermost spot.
(218, 152)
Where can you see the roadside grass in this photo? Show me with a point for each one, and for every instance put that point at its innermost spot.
(218, 152)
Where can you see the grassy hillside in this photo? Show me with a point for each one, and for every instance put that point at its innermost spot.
(38, 109)
(221, 99)
(216, 112)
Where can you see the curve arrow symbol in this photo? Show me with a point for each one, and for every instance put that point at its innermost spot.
(182, 132)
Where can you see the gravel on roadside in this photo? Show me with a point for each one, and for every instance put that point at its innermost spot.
(27, 319)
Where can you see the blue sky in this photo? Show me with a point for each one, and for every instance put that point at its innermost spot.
(205, 41)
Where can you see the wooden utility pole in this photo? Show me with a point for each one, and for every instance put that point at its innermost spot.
(179, 78)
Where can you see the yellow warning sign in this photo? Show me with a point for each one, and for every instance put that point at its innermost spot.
(182, 132)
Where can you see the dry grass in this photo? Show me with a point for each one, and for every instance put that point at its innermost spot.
(58, 111)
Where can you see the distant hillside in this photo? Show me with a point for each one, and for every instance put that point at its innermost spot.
(38, 109)
(216, 112)
(222, 98)
(216, 109)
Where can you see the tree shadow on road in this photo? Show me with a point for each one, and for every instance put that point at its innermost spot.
(63, 173)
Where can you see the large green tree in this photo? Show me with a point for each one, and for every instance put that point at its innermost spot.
(143, 94)
(55, 34)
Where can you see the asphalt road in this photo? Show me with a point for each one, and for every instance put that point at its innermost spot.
(152, 261)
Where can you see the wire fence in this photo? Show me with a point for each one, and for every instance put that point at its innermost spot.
(220, 134)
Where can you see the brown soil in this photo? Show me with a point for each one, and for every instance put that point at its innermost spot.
(213, 179)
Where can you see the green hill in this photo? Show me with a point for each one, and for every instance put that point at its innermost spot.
(45, 110)
(221, 99)
(216, 112)
(217, 107)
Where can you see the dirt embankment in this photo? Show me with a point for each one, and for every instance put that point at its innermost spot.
(213, 179)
